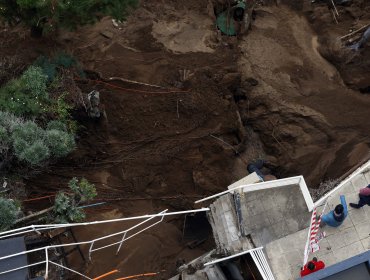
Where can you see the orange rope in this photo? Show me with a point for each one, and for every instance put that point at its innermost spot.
(138, 275)
(106, 274)
(133, 90)
(41, 197)
(38, 198)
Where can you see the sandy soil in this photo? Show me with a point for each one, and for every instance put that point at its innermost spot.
(301, 115)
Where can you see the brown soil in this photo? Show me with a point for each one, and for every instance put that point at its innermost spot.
(301, 116)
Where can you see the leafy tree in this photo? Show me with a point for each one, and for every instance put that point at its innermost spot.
(66, 208)
(8, 213)
(64, 13)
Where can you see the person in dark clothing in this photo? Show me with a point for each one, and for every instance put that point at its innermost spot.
(256, 166)
(364, 198)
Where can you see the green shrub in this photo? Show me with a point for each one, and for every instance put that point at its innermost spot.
(32, 144)
(60, 142)
(50, 14)
(62, 108)
(28, 143)
(58, 125)
(83, 190)
(8, 213)
(28, 131)
(34, 153)
(50, 66)
(66, 208)
(34, 81)
(5, 141)
(27, 95)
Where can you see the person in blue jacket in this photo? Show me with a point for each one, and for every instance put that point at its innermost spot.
(336, 217)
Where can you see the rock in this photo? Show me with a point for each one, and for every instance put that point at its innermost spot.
(93, 110)
(107, 34)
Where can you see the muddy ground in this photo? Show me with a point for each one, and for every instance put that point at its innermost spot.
(287, 92)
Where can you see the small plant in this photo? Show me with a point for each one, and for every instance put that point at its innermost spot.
(67, 206)
(62, 108)
(8, 213)
(83, 190)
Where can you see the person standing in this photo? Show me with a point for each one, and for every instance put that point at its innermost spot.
(364, 195)
(336, 217)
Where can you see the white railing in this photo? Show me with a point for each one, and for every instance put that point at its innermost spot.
(358, 171)
(261, 262)
(39, 228)
(123, 233)
(259, 259)
(124, 238)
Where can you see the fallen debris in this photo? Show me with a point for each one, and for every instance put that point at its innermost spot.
(354, 32)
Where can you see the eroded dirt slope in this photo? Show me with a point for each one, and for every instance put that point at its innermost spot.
(300, 115)
(302, 110)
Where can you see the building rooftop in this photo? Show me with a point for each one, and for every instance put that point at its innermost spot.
(270, 214)
(252, 215)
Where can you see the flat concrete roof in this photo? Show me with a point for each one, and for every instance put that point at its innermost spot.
(270, 214)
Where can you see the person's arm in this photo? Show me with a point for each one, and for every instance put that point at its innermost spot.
(344, 203)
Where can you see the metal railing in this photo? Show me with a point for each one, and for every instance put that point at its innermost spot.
(358, 171)
(261, 262)
(124, 233)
